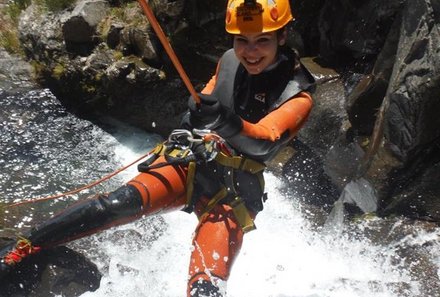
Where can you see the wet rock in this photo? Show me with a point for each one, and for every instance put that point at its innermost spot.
(403, 143)
(305, 170)
(367, 96)
(420, 197)
(41, 35)
(137, 41)
(412, 121)
(402, 234)
(306, 177)
(328, 114)
(14, 72)
(113, 35)
(53, 272)
(350, 29)
(80, 25)
(409, 152)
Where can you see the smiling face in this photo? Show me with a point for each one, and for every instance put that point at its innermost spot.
(257, 51)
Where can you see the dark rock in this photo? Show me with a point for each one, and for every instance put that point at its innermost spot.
(113, 35)
(417, 195)
(350, 29)
(307, 14)
(79, 27)
(52, 272)
(400, 165)
(137, 41)
(367, 96)
(412, 120)
(328, 115)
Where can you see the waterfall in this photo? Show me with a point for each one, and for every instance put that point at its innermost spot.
(45, 149)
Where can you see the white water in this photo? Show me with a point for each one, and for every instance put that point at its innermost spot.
(284, 257)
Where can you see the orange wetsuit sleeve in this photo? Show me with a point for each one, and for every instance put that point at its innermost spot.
(290, 116)
(211, 83)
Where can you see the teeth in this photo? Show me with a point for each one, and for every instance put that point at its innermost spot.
(253, 61)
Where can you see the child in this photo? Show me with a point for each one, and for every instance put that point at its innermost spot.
(252, 107)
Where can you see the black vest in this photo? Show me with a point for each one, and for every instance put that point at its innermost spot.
(254, 96)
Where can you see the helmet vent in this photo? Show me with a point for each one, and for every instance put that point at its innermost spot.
(274, 13)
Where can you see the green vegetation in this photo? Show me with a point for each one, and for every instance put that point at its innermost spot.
(9, 41)
(58, 71)
(130, 13)
(88, 88)
(15, 7)
(9, 17)
(118, 55)
(8, 22)
(38, 68)
(54, 5)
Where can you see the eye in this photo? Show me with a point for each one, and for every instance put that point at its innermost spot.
(263, 40)
(240, 39)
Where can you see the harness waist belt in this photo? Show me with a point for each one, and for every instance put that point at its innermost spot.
(240, 163)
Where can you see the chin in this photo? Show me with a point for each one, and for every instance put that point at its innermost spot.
(253, 70)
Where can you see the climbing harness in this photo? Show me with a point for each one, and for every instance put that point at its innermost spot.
(188, 149)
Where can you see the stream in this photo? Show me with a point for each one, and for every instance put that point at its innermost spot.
(45, 150)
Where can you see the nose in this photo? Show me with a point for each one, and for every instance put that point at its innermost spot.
(250, 47)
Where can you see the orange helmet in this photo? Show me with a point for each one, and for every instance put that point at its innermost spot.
(257, 16)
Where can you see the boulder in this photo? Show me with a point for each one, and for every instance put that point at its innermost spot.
(79, 26)
(54, 272)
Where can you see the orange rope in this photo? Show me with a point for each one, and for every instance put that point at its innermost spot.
(81, 188)
(155, 24)
(166, 44)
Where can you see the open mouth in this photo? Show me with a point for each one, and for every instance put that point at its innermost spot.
(253, 62)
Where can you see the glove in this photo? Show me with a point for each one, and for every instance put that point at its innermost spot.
(205, 113)
(210, 114)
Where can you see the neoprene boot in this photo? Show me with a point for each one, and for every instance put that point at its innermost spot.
(83, 218)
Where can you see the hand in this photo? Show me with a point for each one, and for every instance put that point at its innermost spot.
(204, 113)
(210, 114)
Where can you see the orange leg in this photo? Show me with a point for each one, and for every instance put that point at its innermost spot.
(159, 190)
(162, 189)
(216, 244)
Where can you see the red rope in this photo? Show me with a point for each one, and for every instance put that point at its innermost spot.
(33, 200)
